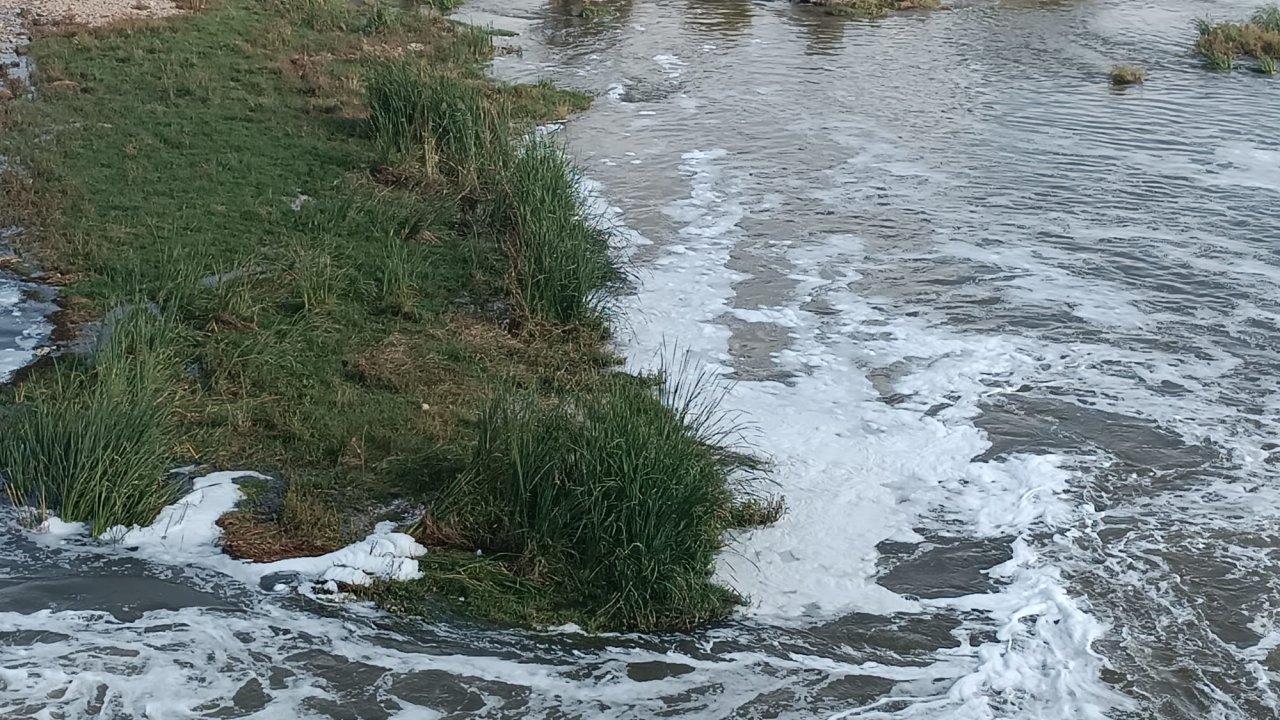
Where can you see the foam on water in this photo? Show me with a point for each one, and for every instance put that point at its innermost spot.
(186, 533)
(23, 327)
(857, 472)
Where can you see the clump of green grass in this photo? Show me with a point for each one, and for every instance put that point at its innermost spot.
(1221, 44)
(1267, 65)
(526, 187)
(1122, 75)
(443, 5)
(95, 441)
(443, 122)
(318, 15)
(559, 261)
(1267, 17)
(610, 497)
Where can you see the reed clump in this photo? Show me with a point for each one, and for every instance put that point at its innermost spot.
(95, 441)
(1223, 44)
(613, 500)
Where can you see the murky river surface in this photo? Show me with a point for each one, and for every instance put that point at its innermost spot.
(1012, 338)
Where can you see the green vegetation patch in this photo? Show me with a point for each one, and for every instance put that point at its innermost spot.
(1223, 44)
(358, 269)
(95, 440)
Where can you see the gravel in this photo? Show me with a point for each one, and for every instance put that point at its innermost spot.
(90, 12)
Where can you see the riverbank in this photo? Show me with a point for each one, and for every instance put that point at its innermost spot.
(318, 241)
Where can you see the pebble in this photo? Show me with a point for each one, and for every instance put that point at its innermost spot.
(53, 12)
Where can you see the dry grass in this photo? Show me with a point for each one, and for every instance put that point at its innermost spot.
(248, 537)
(1123, 75)
(874, 8)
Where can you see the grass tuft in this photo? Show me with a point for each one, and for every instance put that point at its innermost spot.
(1221, 44)
(1122, 75)
(1267, 17)
(594, 10)
(442, 122)
(617, 501)
(96, 441)
(559, 261)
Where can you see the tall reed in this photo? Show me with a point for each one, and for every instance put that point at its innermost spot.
(95, 441)
(619, 501)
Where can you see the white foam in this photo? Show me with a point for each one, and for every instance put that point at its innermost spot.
(186, 533)
(856, 471)
(671, 64)
(1246, 164)
(32, 329)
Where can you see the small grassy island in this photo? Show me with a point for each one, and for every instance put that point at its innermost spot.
(316, 240)
(1125, 75)
(1223, 44)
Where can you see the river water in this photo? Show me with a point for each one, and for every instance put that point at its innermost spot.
(1011, 338)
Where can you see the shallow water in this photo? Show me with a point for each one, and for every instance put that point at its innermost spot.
(1011, 337)
(24, 311)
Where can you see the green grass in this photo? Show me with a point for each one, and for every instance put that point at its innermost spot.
(608, 499)
(560, 260)
(94, 441)
(1222, 44)
(341, 340)
(1267, 65)
(595, 11)
(1122, 75)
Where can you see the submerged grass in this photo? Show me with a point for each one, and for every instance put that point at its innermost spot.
(1222, 44)
(352, 235)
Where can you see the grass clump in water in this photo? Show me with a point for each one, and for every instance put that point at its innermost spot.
(1222, 44)
(1123, 75)
(873, 8)
(613, 502)
(95, 441)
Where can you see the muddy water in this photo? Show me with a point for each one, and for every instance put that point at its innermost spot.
(1011, 338)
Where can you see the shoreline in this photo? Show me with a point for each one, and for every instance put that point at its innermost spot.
(374, 305)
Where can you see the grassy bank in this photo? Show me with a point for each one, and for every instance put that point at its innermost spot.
(1222, 45)
(325, 245)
